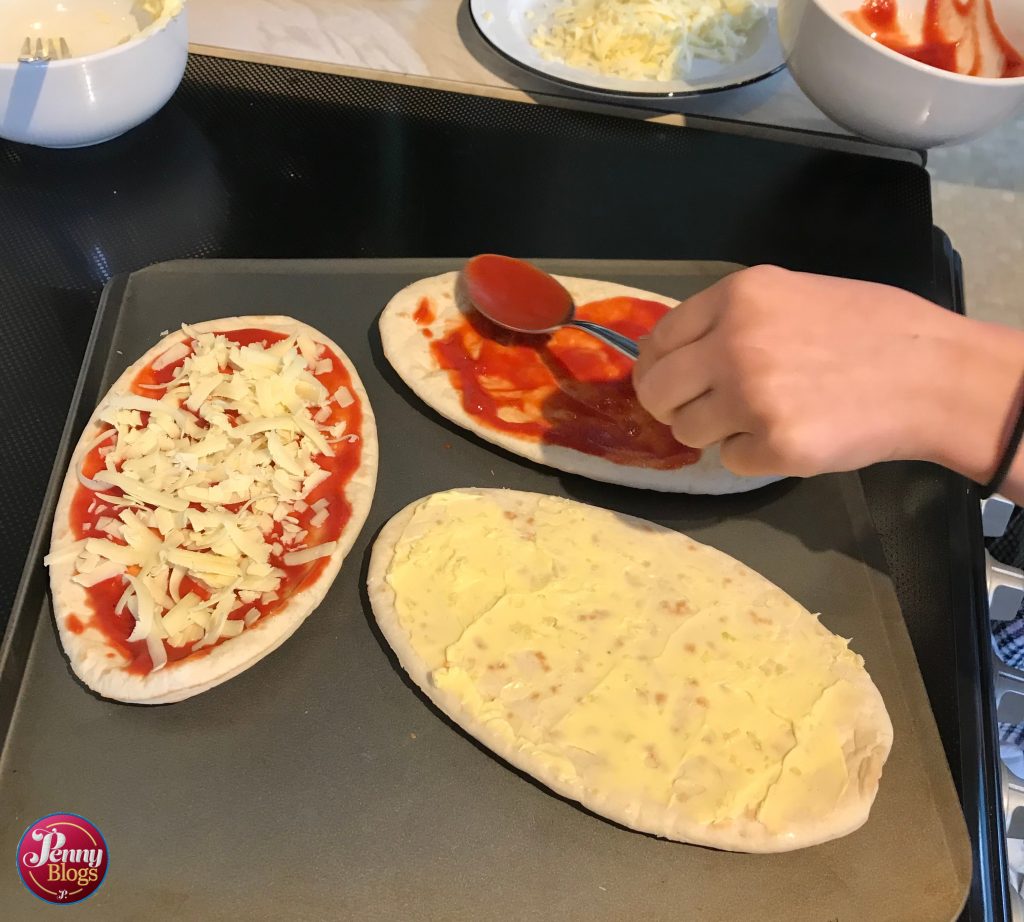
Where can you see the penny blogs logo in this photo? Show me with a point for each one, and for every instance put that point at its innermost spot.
(62, 858)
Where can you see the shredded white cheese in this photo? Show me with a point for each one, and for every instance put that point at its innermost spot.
(646, 39)
(234, 432)
(170, 356)
(98, 574)
(309, 554)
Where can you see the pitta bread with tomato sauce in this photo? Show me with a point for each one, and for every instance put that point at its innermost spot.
(214, 545)
(408, 344)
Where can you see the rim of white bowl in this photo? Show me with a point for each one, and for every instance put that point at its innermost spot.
(139, 39)
(913, 64)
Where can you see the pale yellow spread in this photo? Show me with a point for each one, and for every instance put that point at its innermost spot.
(628, 660)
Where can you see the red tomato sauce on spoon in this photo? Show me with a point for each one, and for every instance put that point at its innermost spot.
(515, 294)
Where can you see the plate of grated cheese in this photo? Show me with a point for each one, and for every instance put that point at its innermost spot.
(655, 48)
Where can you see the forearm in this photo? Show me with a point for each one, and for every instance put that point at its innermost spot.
(1013, 485)
(794, 375)
(977, 396)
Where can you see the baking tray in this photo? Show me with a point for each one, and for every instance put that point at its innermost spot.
(319, 784)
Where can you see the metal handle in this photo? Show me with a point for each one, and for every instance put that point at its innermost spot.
(617, 341)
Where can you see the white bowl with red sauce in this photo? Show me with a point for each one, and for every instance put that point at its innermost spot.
(893, 87)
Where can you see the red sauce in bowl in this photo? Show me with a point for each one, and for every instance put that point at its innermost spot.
(951, 36)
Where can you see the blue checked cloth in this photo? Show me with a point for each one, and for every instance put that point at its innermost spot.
(1008, 639)
(1011, 735)
(1008, 636)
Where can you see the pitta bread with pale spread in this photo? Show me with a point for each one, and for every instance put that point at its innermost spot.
(657, 681)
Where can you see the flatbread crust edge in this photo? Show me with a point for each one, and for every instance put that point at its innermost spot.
(87, 651)
(409, 353)
(872, 728)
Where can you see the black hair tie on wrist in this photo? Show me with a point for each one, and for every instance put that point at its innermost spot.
(1009, 453)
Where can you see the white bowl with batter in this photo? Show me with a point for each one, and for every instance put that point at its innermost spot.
(128, 57)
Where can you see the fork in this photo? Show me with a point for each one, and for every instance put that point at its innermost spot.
(38, 53)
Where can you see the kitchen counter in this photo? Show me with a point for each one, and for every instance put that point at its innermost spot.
(978, 191)
(436, 39)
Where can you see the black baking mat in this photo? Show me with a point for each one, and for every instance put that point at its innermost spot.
(318, 784)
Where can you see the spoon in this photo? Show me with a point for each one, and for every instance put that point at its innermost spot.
(520, 297)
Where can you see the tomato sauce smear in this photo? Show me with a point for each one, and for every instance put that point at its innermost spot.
(879, 19)
(565, 389)
(103, 597)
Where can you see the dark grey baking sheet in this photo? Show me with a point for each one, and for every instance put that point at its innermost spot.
(320, 785)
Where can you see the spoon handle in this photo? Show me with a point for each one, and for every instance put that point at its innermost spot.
(617, 341)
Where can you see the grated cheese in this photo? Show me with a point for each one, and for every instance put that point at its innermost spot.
(645, 39)
(170, 356)
(309, 554)
(99, 574)
(232, 628)
(72, 550)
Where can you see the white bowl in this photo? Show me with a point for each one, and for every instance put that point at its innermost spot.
(886, 96)
(90, 99)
